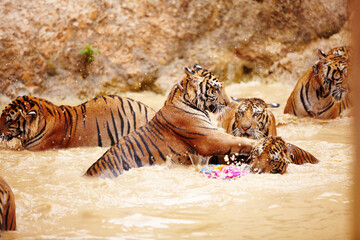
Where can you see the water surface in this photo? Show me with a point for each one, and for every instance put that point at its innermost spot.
(54, 200)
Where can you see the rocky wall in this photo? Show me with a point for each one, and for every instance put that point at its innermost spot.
(144, 45)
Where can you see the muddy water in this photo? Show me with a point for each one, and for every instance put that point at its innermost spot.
(166, 202)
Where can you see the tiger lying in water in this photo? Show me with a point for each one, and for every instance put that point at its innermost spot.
(180, 130)
(7, 207)
(249, 117)
(102, 121)
(323, 91)
(253, 118)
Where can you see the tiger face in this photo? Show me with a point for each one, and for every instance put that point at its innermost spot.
(253, 119)
(333, 69)
(21, 119)
(205, 90)
(270, 155)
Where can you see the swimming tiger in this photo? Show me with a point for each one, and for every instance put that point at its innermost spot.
(323, 91)
(179, 131)
(270, 155)
(252, 118)
(7, 207)
(101, 121)
(249, 117)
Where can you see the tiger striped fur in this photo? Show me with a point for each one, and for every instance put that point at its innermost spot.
(101, 121)
(270, 155)
(7, 207)
(250, 117)
(253, 118)
(180, 130)
(323, 91)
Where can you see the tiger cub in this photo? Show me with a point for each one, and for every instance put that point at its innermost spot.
(179, 131)
(101, 121)
(252, 118)
(323, 91)
(7, 207)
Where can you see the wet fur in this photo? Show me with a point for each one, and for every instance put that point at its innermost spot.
(101, 121)
(323, 91)
(7, 207)
(261, 126)
(180, 130)
(250, 117)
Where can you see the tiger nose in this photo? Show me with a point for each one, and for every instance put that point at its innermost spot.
(245, 127)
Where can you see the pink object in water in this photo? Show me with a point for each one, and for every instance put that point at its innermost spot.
(223, 171)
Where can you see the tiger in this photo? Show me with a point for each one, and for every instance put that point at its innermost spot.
(249, 117)
(7, 207)
(323, 91)
(101, 121)
(270, 155)
(252, 118)
(179, 133)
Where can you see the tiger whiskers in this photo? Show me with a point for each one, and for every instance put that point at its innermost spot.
(258, 134)
(236, 132)
(222, 112)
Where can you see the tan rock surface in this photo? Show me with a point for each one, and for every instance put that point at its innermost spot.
(146, 44)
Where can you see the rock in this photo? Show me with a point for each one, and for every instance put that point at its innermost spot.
(145, 45)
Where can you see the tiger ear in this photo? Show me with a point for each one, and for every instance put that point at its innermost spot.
(197, 66)
(194, 79)
(321, 54)
(239, 100)
(188, 71)
(32, 112)
(273, 105)
(272, 123)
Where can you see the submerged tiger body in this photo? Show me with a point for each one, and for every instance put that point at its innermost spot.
(270, 155)
(180, 130)
(323, 91)
(101, 121)
(7, 207)
(253, 118)
(249, 117)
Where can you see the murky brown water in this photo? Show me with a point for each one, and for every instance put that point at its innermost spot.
(166, 202)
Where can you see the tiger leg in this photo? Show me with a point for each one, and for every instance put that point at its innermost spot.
(112, 164)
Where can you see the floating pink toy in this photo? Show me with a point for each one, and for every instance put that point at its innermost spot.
(223, 171)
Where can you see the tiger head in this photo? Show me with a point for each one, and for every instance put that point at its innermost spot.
(253, 119)
(332, 68)
(270, 155)
(23, 118)
(204, 89)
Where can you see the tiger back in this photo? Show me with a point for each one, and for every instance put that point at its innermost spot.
(180, 130)
(101, 121)
(7, 207)
(323, 91)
